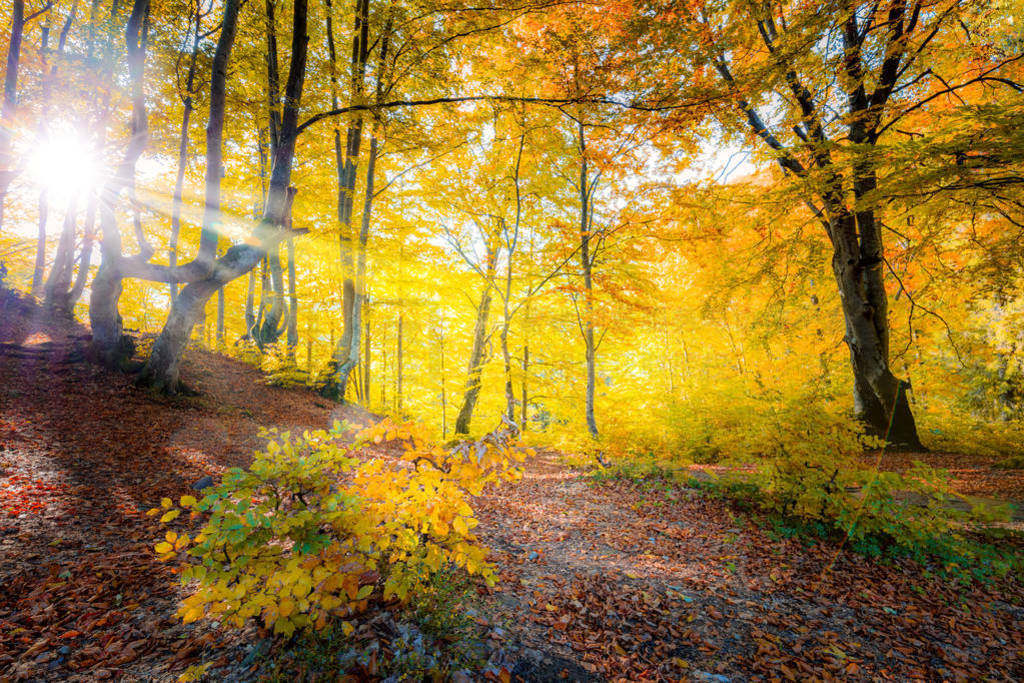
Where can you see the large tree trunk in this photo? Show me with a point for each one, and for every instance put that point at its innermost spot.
(880, 398)
(346, 355)
(109, 345)
(476, 360)
(275, 321)
(162, 370)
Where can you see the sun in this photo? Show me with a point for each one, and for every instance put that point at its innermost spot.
(65, 164)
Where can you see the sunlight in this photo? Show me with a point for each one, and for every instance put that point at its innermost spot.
(65, 164)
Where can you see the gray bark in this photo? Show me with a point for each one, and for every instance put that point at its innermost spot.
(587, 263)
(179, 181)
(10, 103)
(162, 370)
(109, 345)
(476, 358)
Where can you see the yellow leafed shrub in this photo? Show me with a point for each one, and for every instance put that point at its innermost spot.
(312, 532)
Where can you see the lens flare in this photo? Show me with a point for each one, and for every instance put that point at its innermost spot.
(65, 164)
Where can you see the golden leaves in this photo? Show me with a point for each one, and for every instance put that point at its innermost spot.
(304, 549)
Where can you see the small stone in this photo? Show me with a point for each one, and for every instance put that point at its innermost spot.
(706, 677)
(204, 483)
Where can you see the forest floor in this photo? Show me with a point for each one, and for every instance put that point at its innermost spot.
(599, 581)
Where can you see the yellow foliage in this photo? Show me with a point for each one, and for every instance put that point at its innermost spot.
(311, 532)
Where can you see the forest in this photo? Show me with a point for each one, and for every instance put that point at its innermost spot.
(512, 340)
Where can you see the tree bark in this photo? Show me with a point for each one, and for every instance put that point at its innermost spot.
(526, 397)
(293, 302)
(398, 365)
(476, 358)
(109, 345)
(58, 284)
(10, 103)
(587, 264)
(179, 181)
(351, 256)
(162, 370)
(40, 265)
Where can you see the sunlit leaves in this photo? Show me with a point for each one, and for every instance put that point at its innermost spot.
(314, 529)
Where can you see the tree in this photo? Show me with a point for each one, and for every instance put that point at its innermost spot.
(836, 80)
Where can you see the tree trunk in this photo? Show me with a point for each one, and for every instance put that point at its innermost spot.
(346, 355)
(179, 182)
(293, 306)
(880, 398)
(587, 264)
(163, 367)
(109, 345)
(85, 256)
(40, 267)
(58, 284)
(476, 361)
(526, 397)
(220, 315)
(510, 396)
(444, 394)
(10, 103)
(398, 367)
(250, 308)
(366, 354)
(275, 321)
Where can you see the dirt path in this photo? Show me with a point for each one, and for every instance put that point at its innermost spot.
(619, 582)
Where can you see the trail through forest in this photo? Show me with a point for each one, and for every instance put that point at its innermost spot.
(609, 581)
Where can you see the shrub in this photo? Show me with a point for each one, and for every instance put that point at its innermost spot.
(811, 478)
(310, 532)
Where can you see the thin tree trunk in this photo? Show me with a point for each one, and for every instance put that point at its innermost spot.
(250, 310)
(220, 315)
(58, 284)
(179, 182)
(85, 257)
(476, 360)
(40, 266)
(366, 353)
(526, 368)
(444, 396)
(293, 307)
(10, 104)
(586, 262)
(398, 366)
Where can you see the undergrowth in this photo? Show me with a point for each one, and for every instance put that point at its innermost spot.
(432, 637)
(806, 480)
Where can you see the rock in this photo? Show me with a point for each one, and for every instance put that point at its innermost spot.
(705, 677)
(204, 483)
